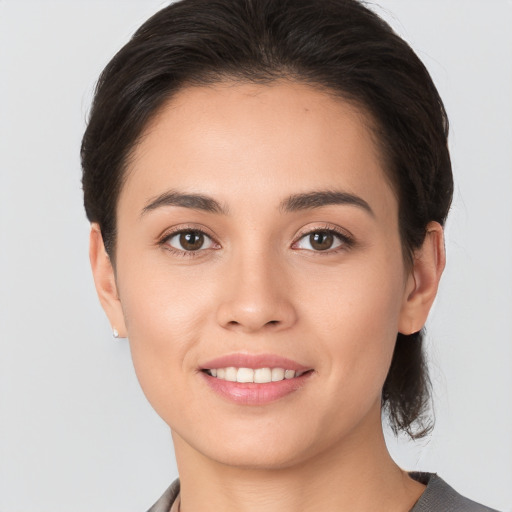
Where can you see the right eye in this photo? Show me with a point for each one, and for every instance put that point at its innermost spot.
(190, 240)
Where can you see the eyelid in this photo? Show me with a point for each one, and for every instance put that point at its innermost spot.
(346, 238)
(184, 228)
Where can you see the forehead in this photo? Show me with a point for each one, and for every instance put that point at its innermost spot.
(237, 140)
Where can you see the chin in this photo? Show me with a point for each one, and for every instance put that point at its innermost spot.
(263, 447)
(257, 457)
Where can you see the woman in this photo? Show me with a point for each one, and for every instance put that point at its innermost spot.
(267, 182)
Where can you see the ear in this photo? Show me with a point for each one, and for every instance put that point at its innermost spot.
(104, 279)
(423, 281)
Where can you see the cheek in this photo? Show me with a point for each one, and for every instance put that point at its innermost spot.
(165, 311)
(357, 317)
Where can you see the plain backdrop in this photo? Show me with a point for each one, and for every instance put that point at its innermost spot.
(76, 433)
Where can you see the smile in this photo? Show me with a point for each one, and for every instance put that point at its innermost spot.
(254, 379)
(256, 375)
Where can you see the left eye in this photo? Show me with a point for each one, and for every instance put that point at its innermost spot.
(190, 240)
(320, 241)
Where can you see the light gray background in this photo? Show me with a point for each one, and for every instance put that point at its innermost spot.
(75, 430)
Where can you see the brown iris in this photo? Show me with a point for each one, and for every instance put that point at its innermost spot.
(321, 240)
(191, 240)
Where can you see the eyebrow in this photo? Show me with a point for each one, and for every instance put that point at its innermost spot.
(318, 199)
(294, 203)
(193, 201)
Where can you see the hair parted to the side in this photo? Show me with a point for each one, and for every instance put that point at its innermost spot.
(337, 45)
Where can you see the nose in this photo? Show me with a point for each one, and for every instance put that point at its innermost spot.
(256, 296)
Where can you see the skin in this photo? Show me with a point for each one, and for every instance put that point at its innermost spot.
(260, 288)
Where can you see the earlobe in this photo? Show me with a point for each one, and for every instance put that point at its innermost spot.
(105, 282)
(428, 265)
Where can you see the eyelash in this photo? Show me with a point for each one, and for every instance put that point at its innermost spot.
(163, 242)
(347, 241)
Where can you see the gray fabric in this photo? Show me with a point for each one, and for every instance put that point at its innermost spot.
(437, 497)
(164, 504)
(440, 497)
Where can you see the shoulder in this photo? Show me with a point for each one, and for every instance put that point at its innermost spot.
(165, 502)
(440, 497)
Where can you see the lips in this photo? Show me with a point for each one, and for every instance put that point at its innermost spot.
(254, 379)
(254, 361)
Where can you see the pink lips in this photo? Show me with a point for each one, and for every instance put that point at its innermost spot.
(254, 361)
(254, 393)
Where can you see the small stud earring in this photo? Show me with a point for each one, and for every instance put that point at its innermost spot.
(115, 333)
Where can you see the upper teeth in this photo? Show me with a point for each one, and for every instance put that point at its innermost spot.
(259, 375)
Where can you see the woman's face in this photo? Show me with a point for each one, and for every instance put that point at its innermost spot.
(257, 230)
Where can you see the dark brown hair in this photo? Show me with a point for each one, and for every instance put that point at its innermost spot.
(337, 45)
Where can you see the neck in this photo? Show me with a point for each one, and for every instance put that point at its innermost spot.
(354, 475)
